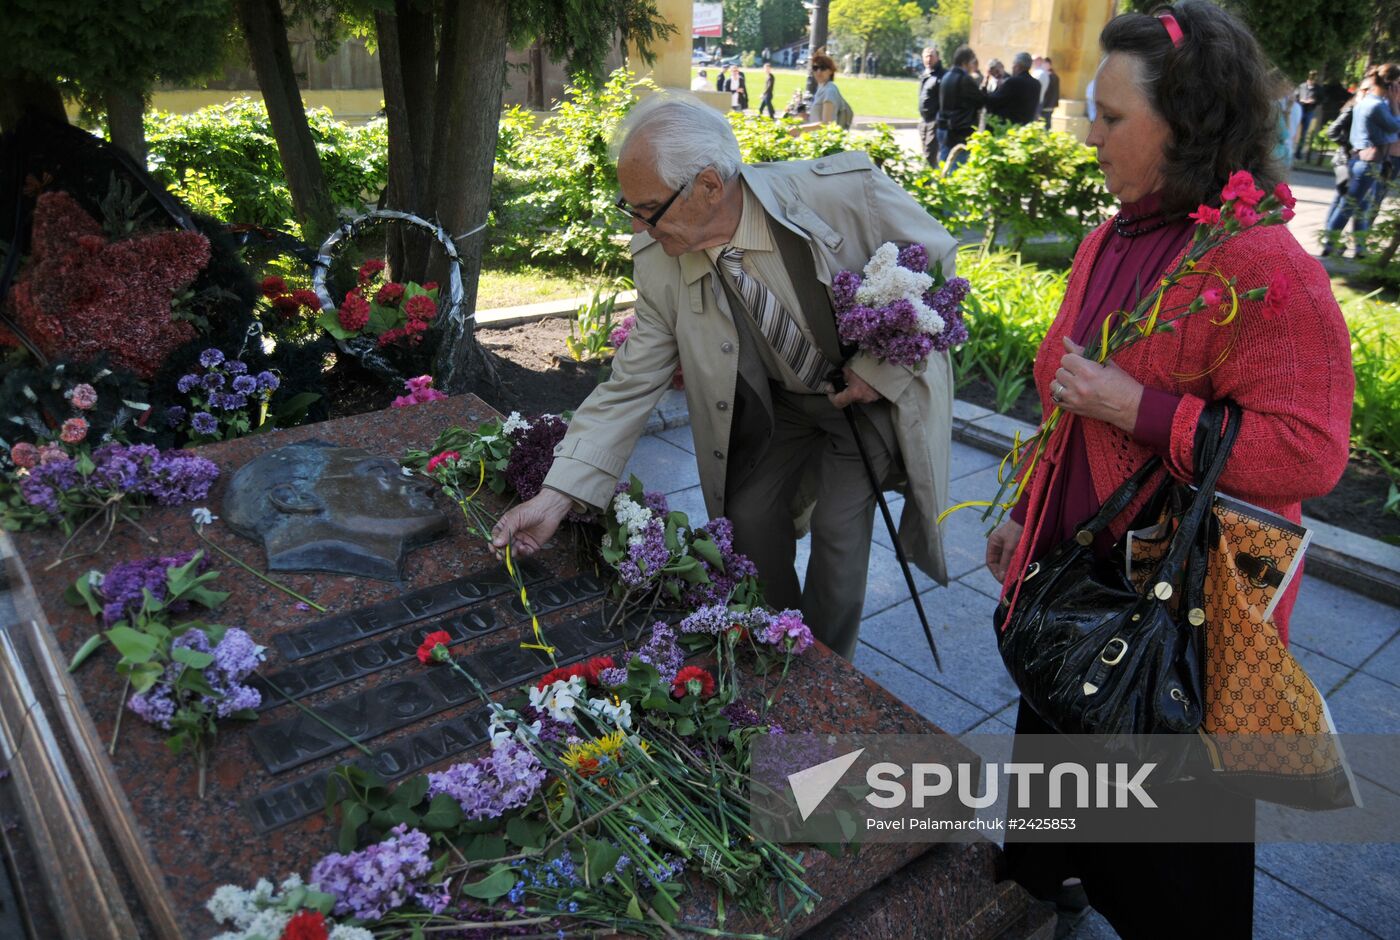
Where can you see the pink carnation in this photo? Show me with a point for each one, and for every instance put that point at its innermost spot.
(1245, 215)
(1212, 296)
(442, 458)
(83, 396)
(73, 431)
(1277, 297)
(1205, 215)
(1241, 187)
(25, 454)
(1285, 196)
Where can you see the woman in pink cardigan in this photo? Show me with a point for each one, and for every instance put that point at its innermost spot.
(1183, 100)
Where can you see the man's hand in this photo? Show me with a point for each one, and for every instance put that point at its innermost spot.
(856, 390)
(1001, 545)
(528, 526)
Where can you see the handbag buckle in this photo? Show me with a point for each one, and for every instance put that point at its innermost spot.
(1117, 656)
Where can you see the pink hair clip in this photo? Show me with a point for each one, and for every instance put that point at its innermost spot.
(1173, 28)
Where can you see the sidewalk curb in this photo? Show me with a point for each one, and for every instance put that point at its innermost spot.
(1365, 565)
(505, 317)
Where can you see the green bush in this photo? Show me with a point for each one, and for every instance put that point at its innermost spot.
(1008, 311)
(1026, 181)
(223, 161)
(1375, 358)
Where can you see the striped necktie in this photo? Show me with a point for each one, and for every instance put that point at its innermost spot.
(776, 324)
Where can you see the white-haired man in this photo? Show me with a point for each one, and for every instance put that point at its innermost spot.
(733, 266)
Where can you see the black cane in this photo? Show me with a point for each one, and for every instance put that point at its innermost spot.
(889, 522)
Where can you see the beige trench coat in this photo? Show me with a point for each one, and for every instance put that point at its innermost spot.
(843, 208)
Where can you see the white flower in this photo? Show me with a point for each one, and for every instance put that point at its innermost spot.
(232, 904)
(619, 714)
(885, 282)
(202, 516)
(292, 881)
(269, 924)
(94, 580)
(559, 698)
(514, 423)
(346, 932)
(631, 515)
(500, 726)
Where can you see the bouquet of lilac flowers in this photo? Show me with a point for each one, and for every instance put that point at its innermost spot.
(898, 312)
(382, 877)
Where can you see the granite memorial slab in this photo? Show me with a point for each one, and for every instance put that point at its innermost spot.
(126, 847)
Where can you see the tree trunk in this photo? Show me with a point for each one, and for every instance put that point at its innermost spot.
(125, 127)
(535, 93)
(401, 191)
(265, 29)
(22, 93)
(818, 26)
(470, 84)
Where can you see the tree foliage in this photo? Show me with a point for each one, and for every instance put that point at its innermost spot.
(950, 26)
(884, 27)
(781, 22)
(743, 25)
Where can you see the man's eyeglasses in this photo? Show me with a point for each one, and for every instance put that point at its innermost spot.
(649, 221)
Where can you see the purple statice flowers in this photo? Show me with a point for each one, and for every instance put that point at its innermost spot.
(123, 588)
(383, 877)
(487, 787)
(532, 453)
(660, 650)
(236, 656)
(141, 470)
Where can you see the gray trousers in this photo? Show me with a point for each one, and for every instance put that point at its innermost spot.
(808, 432)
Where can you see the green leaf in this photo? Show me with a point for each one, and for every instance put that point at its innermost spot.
(382, 319)
(135, 647)
(354, 815)
(600, 857)
(144, 675)
(493, 886)
(443, 814)
(192, 658)
(707, 550)
(81, 592)
(483, 846)
(665, 905)
(93, 643)
(329, 321)
(411, 792)
(526, 833)
(634, 910)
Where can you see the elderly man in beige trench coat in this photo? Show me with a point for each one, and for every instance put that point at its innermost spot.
(772, 445)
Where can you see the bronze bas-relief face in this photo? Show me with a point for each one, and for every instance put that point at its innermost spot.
(319, 507)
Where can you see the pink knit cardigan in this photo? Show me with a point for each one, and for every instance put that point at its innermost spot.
(1290, 373)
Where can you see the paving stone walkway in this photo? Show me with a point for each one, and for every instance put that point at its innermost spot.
(1349, 644)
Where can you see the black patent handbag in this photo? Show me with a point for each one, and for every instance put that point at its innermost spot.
(1094, 656)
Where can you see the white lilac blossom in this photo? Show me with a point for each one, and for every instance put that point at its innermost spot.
(631, 516)
(514, 423)
(886, 281)
(559, 698)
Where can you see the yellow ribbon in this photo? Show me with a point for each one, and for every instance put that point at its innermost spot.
(539, 643)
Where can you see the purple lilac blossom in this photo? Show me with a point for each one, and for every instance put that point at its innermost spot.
(123, 586)
(740, 714)
(914, 257)
(711, 619)
(268, 382)
(646, 555)
(844, 287)
(187, 383)
(382, 877)
(736, 566)
(612, 677)
(487, 787)
(204, 423)
(661, 651)
(619, 333)
(210, 358)
(656, 502)
(533, 454)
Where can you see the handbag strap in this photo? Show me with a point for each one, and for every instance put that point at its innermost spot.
(1215, 414)
(1116, 503)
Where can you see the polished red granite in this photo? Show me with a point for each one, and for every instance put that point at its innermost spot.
(196, 846)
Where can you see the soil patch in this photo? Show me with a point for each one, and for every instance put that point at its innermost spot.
(536, 372)
(1355, 503)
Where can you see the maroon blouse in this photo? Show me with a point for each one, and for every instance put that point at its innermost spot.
(1126, 268)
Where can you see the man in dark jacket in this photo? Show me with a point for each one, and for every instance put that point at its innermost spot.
(928, 103)
(959, 101)
(1051, 101)
(1018, 98)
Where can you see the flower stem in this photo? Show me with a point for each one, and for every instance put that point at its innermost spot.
(199, 530)
(121, 708)
(299, 704)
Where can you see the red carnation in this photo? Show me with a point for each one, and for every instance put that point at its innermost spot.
(369, 269)
(680, 686)
(1277, 297)
(561, 674)
(389, 293)
(306, 925)
(1285, 196)
(1205, 215)
(427, 650)
(591, 669)
(286, 306)
(420, 307)
(354, 312)
(273, 286)
(307, 298)
(430, 285)
(442, 458)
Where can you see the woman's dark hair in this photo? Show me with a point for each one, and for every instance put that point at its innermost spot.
(1215, 92)
(963, 55)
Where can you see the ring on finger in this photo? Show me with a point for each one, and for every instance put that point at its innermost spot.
(1056, 390)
